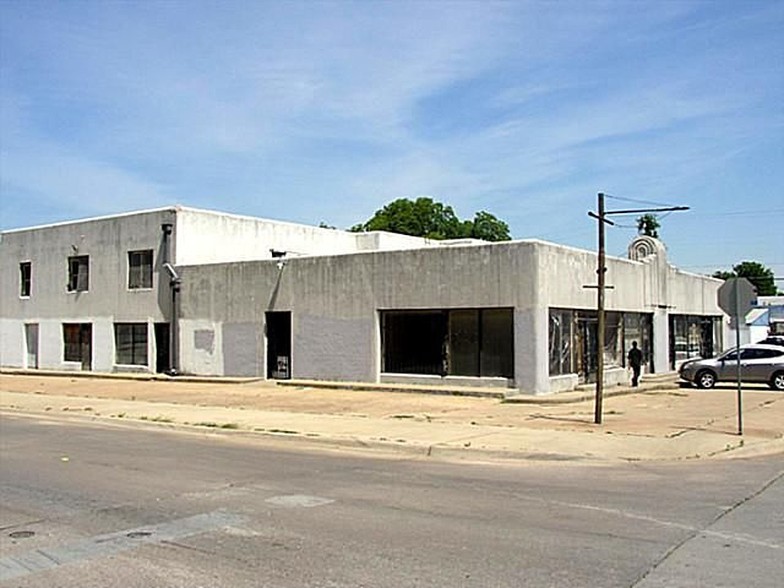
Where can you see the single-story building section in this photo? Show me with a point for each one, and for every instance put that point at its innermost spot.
(208, 293)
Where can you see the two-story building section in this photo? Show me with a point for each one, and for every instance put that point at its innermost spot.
(181, 290)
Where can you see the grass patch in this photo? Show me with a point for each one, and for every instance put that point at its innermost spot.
(229, 426)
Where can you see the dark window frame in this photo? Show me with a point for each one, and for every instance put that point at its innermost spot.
(460, 342)
(140, 269)
(25, 278)
(131, 344)
(79, 273)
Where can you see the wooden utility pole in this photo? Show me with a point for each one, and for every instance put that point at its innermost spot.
(601, 286)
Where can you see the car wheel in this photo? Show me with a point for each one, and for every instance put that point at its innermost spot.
(706, 379)
(777, 381)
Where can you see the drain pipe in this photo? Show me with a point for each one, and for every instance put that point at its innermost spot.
(174, 285)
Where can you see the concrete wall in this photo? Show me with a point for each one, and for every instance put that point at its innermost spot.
(106, 241)
(334, 283)
(214, 237)
(335, 302)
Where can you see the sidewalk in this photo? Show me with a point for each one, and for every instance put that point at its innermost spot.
(659, 421)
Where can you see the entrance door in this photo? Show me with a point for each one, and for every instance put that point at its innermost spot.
(278, 345)
(31, 341)
(162, 345)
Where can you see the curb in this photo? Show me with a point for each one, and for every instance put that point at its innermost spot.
(131, 376)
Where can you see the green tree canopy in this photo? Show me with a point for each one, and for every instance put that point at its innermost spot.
(425, 217)
(649, 225)
(754, 272)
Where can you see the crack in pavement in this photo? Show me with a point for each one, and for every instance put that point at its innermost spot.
(696, 532)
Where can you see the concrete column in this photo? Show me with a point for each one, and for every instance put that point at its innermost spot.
(661, 341)
(531, 351)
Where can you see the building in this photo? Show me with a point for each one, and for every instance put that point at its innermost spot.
(200, 292)
(766, 318)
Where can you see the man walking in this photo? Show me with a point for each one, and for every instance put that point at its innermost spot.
(635, 362)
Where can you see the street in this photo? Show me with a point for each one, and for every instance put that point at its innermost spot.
(98, 504)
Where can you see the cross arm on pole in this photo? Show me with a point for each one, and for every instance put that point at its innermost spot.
(639, 210)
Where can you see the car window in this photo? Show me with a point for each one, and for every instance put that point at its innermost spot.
(732, 356)
(749, 354)
(769, 353)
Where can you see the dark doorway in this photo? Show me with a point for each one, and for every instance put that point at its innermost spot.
(78, 343)
(278, 345)
(162, 346)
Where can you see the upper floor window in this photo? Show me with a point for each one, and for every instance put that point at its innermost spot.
(79, 273)
(25, 278)
(140, 269)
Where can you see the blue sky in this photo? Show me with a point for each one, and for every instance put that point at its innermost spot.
(325, 111)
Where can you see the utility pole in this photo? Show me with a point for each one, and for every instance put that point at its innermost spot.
(601, 286)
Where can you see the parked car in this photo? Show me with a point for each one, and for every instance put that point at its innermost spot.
(758, 363)
(772, 340)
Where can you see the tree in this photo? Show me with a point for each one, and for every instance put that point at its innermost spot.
(425, 217)
(754, 272)
(489, 228)
(648, 225)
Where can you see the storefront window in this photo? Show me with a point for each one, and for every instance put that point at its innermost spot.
(573, 340)
(693, 337)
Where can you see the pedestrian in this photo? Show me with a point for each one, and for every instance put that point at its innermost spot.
(635, 362)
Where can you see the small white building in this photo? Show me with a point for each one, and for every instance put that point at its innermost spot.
(200, 292)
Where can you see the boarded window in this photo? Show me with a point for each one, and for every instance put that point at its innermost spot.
(130, 343)
(140, 269)
(79, 273)
(25, 278)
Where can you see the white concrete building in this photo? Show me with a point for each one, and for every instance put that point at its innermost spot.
(216, 294)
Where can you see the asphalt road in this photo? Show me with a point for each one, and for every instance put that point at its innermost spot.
(109, 505)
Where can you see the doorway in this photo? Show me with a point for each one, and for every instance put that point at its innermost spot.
(162, 346)
(278, 329)
(31, 343)
(78, 343)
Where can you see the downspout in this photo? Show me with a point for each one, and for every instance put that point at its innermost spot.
(174, 285)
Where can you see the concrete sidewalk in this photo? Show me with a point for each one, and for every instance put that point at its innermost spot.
(659, 421)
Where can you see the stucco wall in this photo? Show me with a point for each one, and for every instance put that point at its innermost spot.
(108, 299)
(212, 237)
(335, 301)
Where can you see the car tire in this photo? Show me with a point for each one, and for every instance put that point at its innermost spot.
(777, 381)
(705, 379)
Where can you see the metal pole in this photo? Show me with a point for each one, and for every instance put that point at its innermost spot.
(737, 356)
(600, 271)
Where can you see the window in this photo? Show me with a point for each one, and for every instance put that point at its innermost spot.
(25, 275)
(130, 343)
(573, 344)
(79, 273)
(561, 342)
(692, 337)
(465, 342)
(140, 269)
